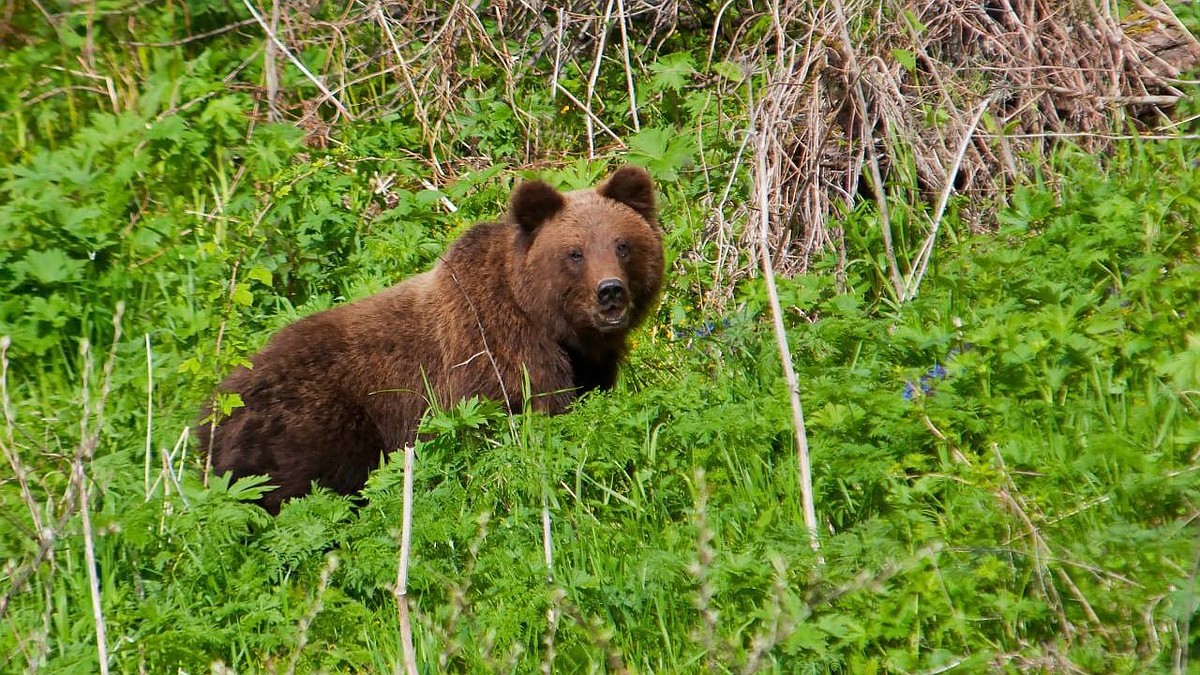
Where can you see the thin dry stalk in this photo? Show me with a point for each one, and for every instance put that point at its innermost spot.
(874, 578)
(487, 351)
(459, 603)
(79, 480)
(1181, 653)
(591, 85)
(167, 474)
(329, 95)
(547, 540)
(779, 626)
(1011, 497)
(633, 110)
(406, 637)
(89, 554)
(149, 417)
(913, 282)
(868, 140)
(705, 555)
(553, 612)
(171, 474)
(9, 445)
(36, 646)
(42, 639)
(803, 460)
(271, 67)
(331, 565)
(599, 636)
(418, 105)
(48, 535)
(591, 117)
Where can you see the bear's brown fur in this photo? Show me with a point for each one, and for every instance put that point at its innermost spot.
(554, 290)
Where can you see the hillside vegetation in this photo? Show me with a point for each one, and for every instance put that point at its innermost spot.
(994, 319)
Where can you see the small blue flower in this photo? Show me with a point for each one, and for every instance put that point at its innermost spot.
(704, 330)
(925, 382)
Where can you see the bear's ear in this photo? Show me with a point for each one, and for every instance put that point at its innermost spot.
(533, 203)
(633, 187)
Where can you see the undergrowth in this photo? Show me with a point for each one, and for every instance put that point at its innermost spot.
(1006, 467)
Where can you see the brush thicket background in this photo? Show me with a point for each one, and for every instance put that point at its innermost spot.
(983, 222)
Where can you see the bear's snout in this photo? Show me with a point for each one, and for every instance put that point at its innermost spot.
(611, 293)
(613, 300)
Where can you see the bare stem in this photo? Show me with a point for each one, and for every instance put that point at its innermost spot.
(591, 86)
(295, 61)
(406, 638)
(868, 141)
(926, 252)
(149, 416)
(633, 110)
(785, 354)
(89, 553)
(331, 564)
(9, 443)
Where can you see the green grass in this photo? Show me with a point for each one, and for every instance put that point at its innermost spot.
(1006, 468)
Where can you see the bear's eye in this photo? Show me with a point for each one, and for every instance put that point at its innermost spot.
(575, 255)
(622, 250)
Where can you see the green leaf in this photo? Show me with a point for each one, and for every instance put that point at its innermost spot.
(906, 58)
(1184, 368)
(729, 70)
(227, 402)
(914, 22)
(261, 275)
(663, 151)
(191, 365)
(242, 296)
(49, 267)
(671, 72)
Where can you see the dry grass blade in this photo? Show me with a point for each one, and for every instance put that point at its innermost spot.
(700, 569)
(913, 281)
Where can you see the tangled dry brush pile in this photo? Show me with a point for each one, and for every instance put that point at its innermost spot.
(947, 96)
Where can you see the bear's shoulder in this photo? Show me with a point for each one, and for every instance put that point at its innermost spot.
(479, 240)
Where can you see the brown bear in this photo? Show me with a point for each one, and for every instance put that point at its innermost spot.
(553, 290)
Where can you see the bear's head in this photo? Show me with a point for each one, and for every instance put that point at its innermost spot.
(589, 263)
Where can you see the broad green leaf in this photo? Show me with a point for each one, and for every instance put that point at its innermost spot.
(671, 72)
(50, 267)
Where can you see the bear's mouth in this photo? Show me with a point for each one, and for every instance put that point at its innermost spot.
(612, 318)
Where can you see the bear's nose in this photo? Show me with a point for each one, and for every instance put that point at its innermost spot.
(611, 292)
